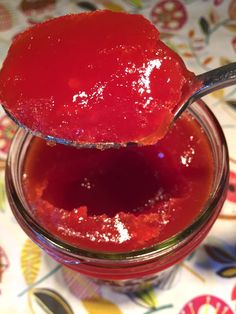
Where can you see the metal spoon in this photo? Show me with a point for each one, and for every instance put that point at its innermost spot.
(212, 80)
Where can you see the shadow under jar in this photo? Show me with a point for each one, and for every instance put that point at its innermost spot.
(137, 267)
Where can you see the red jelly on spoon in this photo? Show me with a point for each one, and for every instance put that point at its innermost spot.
(100, 77)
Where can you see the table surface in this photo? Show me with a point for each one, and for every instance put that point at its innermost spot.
(204, 34)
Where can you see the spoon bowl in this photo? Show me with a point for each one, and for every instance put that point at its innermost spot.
(211, 81)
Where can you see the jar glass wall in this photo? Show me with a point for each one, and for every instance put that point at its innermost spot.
(131, 269)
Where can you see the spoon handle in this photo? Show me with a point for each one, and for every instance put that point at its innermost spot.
(217, 79)
(212, 80)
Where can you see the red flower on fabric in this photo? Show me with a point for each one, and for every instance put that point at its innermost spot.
(30, 7)
(231, 196)
(234, 43)
(217, 2)
(5, 19)
(7, 131)
(206, 304)
(233, 294)
(4, 263)
(169, 15)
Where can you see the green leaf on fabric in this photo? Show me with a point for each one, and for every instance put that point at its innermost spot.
(220, 255)
(231, 27)
(231, 104)
(227, 272)
(224, 61)
(148, 297)
(144, 297)
(135, 3)
(2, 195)
(31, 256)
(50, 301)
(204, 25)
(100, 306)
(86, 5)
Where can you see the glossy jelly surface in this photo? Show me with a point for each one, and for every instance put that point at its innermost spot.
(94, 77)
(120, 200)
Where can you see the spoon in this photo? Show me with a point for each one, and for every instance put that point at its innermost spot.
(211, 80)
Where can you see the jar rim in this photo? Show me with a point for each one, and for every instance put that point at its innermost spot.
(16, 197)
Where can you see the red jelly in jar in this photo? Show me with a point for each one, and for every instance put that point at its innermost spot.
(120, 200)
(93, 78)
(123, 216)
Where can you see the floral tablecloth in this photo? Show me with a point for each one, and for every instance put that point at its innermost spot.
(204, 34)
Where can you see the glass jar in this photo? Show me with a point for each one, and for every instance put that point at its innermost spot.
(137, 268)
